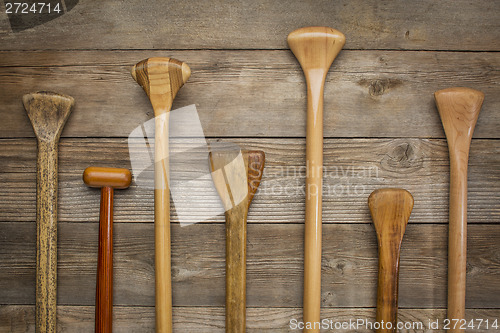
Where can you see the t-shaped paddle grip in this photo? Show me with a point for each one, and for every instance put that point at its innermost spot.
(107, 179)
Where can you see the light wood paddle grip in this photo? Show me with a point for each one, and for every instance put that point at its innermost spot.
(315, 48)
(236, 178)
(161, 79)
(390, 209)
(459, 109)
(48, 113)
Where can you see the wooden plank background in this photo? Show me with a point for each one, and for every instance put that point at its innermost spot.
(382, 130)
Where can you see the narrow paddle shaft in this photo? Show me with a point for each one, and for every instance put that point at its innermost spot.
(236, 177)
(104, 287)
(161, 79)
(46, 235)
(315, 48)
(459, 109)
(390, 210)
(107, 179)
(48, 113)
(236, 256)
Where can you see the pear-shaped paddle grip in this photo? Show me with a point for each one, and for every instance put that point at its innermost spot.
(390, 209)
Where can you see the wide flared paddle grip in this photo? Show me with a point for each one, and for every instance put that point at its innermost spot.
(315, 48)
(48, 113)
(459, 110)
(236, 177)
(161, 79)
(390, 210)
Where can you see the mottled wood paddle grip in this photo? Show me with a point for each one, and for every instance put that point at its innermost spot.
(107, 179)
(236, 178)
(315, 48)
(390, 209)
(161, 79)
(459, 109)
(48, 113)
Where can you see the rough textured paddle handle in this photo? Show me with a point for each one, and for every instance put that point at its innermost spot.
(459, 110)
(390, 210)
(161, 79)
(236, 254)
(315, 48)
(236, 177)
(48, 113)
(46, 212)
(104, 288)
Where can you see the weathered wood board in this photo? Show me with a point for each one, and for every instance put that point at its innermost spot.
(382, 129)
(191, 24)
(255, 93)
(79, 319)
(274, 265)
(353, 169)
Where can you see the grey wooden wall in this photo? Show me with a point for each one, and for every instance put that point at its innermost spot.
(249, 90)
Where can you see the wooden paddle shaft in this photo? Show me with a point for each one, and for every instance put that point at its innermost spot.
(236, 178)
(390, 210)
(106, 179)
(236, 256)
(161, 79)
(459, 109)
(104, 285)
(315, 48)
(48, 113)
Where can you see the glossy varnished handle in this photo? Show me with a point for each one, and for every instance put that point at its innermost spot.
(104, 287)
(315, 48)
(459, 110)
(390, 210)
(161, 79)
(48, 113)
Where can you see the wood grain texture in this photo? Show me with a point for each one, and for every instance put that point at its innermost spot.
(390, 209)
(78, 319)
(315, 48)
(355, 167)
(391, 91)
(108, 179)
(274, 265)
(104, 283)
(236, 176)
(48, 113)
(459, 109)
(424, 25)
(161, 79)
